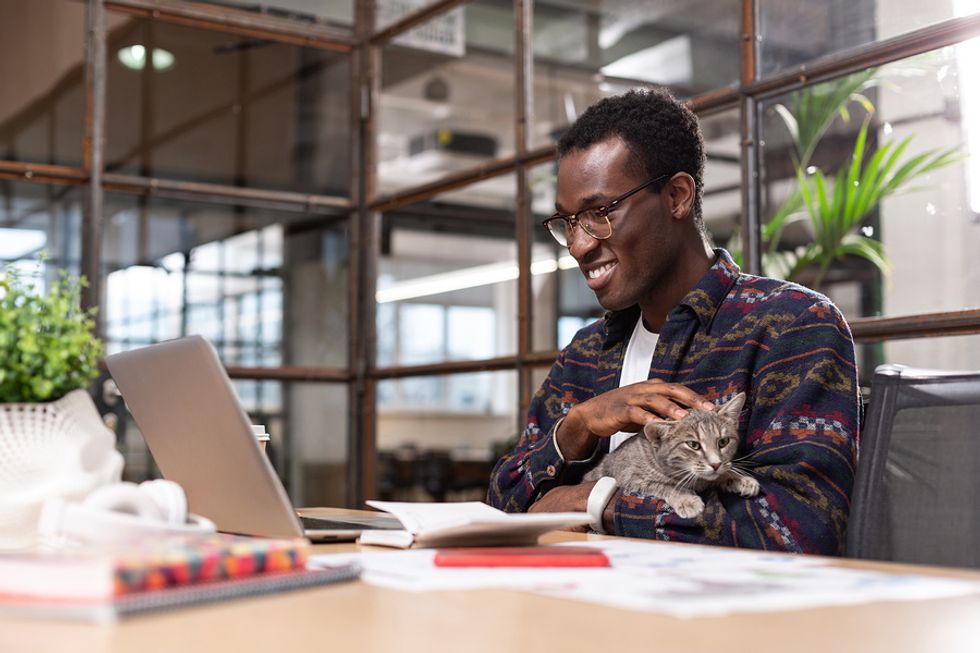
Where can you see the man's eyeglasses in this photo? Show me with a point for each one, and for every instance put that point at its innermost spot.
(594, 221)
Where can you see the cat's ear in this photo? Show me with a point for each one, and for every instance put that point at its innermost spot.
(656, 430)
(733, 406)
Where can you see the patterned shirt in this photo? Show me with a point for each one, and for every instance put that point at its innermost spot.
(787, 347)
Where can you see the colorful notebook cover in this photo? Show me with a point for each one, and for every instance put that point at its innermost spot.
(171, 561)
(111, 609)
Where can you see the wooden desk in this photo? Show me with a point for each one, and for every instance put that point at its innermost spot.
(355, 616)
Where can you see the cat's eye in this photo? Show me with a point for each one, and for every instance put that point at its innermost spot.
(694, 444)
(723, 442)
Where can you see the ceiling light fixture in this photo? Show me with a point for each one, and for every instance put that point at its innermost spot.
(134, 57)
(481, 275)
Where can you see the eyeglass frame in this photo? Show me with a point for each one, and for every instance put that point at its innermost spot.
(572, 219)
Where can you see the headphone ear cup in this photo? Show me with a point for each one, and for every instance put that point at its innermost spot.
(126, 498)
(123, 512)
(170, 499)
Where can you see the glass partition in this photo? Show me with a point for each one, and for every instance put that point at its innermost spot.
(722, 202)
(438, 436)
(445, 27)
(42, 70)
(879, 208)
(447, 277)
(266, 287)
(40, 229)
(795, 33)
(198, 105)
(340, 12)
(584, 51)
(447, 100)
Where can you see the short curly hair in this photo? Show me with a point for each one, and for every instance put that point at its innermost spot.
(662, 133)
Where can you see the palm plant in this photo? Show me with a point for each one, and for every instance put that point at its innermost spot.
(838, 207)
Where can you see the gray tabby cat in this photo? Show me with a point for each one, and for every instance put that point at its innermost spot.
(673, 460)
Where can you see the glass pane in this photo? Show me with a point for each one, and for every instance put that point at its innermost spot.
(445, 27)
(439, 436)
(447, 275)
(311, 461)
(219, 108)
(916, 216)
(267, 288)
(38, 222)
(722, 202)
(340, 12)
(795, 33)
(447, 100)
(587, 50)
(42, 66)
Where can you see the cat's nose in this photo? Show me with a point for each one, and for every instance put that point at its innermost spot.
(715, 466)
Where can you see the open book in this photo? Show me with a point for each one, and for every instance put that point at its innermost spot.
(469, 523)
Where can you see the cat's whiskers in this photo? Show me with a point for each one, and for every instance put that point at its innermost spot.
(686, 480)
(742, 473)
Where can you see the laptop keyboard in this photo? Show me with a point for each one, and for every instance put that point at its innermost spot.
(373, 523)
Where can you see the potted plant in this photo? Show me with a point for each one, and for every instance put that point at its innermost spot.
(53, 440)
(838, 206)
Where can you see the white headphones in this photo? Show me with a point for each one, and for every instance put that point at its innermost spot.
(122, 511)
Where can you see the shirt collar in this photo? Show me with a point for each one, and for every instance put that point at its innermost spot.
(703, 300)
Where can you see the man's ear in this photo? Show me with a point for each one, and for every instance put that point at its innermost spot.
(681, 192)
(655, 430)
(733, 407)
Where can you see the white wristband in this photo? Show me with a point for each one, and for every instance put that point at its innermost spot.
(600, 495)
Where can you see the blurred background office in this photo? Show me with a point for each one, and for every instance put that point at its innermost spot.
(345, 197)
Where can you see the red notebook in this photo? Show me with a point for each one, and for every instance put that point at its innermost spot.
(522, 556)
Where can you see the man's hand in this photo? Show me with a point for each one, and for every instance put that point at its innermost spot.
(565, 498)
(624, 409)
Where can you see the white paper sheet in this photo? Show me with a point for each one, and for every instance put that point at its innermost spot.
(675, 580)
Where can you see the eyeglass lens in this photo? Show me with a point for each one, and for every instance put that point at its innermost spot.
(590, 221)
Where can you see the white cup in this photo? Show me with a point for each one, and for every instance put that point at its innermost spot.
(258, 430)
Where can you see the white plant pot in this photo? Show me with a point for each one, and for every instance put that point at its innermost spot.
(55, 449)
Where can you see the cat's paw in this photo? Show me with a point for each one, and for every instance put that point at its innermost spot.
(688, 507)
(744, 485)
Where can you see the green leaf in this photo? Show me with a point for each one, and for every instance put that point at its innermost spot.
(47, 345)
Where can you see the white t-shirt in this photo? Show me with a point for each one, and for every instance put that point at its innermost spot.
(636, 367)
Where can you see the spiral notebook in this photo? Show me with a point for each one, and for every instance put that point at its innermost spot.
(111, 610)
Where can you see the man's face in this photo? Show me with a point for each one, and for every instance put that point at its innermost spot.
(635, 262)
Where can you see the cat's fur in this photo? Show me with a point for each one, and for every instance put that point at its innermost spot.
(673, 460)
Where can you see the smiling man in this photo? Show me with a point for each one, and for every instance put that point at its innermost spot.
(684, 328)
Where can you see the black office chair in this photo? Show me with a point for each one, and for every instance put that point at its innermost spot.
(917, 487)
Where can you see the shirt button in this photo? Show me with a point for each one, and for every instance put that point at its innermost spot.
(551, 470)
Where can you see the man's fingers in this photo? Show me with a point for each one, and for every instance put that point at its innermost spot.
(678, 393)
(659, 405)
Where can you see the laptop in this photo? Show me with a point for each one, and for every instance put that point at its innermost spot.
(200, 437)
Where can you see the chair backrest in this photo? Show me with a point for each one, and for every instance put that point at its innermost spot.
(918, 477)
